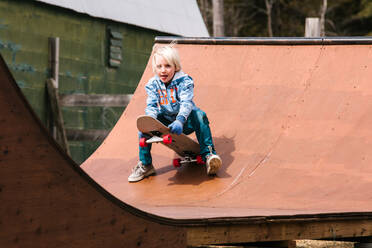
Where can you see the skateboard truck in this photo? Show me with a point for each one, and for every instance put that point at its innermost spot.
(177, 162)
(190, 158)
(166, 139)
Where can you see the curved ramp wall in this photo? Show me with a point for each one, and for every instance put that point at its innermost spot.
(290, 122)
(46, 200)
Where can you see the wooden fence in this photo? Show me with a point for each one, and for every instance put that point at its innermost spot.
(57, 101)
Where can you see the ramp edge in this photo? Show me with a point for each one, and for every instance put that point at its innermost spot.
(357, 40)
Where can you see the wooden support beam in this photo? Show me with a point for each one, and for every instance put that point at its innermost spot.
(90, 100)
(57, 115)
(53, 67)
(312, 27)
(54, 59)
(278, 231)
(223, 246)
(306, 243)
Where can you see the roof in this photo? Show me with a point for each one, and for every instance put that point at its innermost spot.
(176, 17)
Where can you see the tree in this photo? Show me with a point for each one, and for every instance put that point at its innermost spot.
(218, 18)
(287, 17)
(269, 6)
(205, 7)
(323, 11)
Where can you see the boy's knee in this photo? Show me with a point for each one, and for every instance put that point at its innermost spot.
(201, 116)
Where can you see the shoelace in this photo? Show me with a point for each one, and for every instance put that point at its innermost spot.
(137, 167)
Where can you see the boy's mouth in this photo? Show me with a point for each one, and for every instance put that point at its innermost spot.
(163, 77)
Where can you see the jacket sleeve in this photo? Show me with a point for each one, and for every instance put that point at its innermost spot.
(186, 95)
(152, 102)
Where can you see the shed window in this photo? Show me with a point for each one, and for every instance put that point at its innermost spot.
(115, 48)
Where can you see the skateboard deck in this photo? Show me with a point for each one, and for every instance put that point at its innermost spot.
(183, 145)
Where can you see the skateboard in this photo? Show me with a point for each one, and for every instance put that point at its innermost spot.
(157, 132)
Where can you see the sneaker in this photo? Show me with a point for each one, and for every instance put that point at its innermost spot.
(214, 162)
(141, 171)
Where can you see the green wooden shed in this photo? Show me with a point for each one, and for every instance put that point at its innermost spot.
(103, 49)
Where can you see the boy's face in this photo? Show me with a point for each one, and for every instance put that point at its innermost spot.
(164, 69)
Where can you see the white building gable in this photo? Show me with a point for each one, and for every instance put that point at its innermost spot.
(177, 17)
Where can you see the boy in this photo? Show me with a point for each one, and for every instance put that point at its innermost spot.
(170, 100)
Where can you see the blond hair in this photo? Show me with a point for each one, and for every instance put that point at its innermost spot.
(169, 53)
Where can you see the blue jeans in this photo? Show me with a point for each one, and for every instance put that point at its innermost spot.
(198, 122)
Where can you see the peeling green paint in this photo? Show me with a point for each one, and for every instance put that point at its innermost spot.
(10, 45)
(23, 68)
(68, 74)
(13, 47)
(3, 26)
(21, 84)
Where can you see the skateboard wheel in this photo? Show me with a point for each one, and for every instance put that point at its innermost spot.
(199, 159)
(167, 139)
(176, 162)
(142, 142)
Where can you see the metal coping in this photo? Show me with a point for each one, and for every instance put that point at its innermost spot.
(356, 40)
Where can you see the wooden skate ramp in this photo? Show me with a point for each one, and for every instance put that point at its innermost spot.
(292, 124)
(291, 120)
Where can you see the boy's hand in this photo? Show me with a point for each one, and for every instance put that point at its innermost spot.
(176, 127)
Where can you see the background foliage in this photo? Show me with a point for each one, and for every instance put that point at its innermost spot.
(250, 17)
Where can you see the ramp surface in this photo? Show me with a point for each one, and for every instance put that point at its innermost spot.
(292, 123)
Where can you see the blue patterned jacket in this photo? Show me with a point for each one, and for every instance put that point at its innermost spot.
(174, 101)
